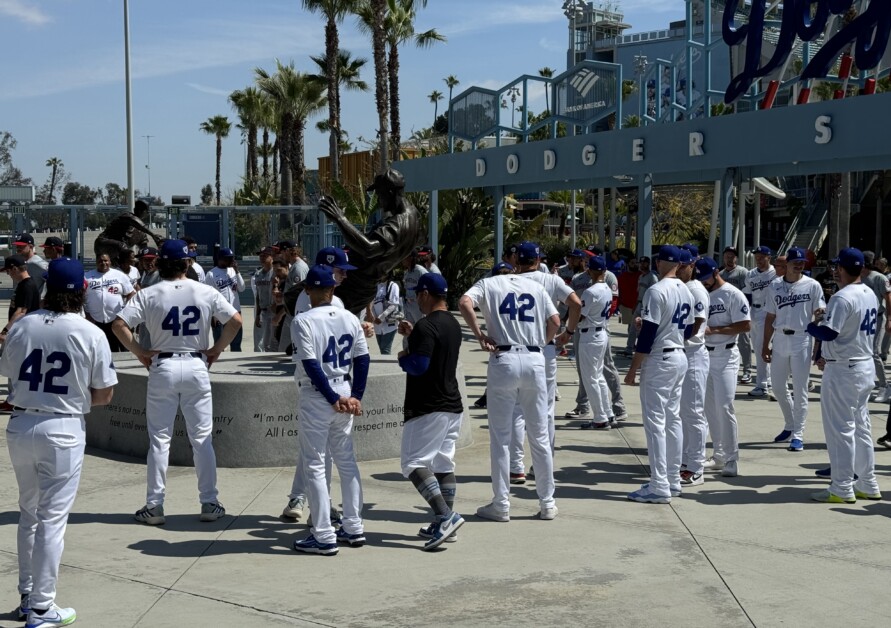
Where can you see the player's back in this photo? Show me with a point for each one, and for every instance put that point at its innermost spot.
(330, 334)
(552, 284)
(52, 359)
(596, 305)
(675, 312)
(857, 305)
(516, 310)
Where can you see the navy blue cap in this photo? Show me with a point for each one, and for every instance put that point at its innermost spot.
(731, 249)
(286, 244)
(320, 276)
(334, 257)
(226, 252)
(669, 253)
(528, 251)
(762, 250)
(174, 249)
(13, 260)
(24, 238)
(596, 250)
(705, 268)
(596, 262)
(148, 251)
(434, 283)
(497, 268)
(54, 242)
(686, 257)
(796, 254)
(850, 258)
(65, 275)
(692, 248)
(576, 253)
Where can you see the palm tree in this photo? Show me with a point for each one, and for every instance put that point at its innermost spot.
(310, 99)
(451, 82)
(547, 72)
(248, 104)
(219, 127)
(348, 72)
(435, 96)
(55, 163)
(334, 12)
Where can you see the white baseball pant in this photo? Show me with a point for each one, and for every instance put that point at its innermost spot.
(845, 399)
(593, 346)
(762, 368)
(322, 429)
(517, 453)
(298, 484)
(744, 343)
(180, 382)
(428, 442)
(878, 361)
(695, 426)
(517, 377)
(720, 391)
(660, 378)
(47, 453)
(792, 355)
(264, 335)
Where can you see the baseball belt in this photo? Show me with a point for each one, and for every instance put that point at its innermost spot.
(512, 347)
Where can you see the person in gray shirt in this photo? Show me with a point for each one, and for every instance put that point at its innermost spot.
(878, 283)
(290, 253)
(261, 284)
(735, 275)
(24, 246)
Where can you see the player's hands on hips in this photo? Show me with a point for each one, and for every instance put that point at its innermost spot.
(405, 328)
(766, 355)
(630, 377)
(146, 357)
(487, 344)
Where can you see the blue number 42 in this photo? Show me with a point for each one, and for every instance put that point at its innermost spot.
(31, 372)
(517, 307)
(337, 352)
(869, 322)
(188, 326)
(680, 315)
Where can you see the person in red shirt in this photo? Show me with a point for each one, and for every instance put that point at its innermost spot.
(628, 300)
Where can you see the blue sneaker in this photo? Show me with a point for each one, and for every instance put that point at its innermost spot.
(796, 445)
(442, 530)
(24, 607)
(310, 545)
(783, 436)
(353, 540)
(824, 473)
(645, 496)
(53, 616)
(430, 531)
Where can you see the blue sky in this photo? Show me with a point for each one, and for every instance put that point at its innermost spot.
(63, 75)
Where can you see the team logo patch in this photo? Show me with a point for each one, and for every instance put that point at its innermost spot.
(744, 309)
(330, 259)
(699, 307)
(646, 311)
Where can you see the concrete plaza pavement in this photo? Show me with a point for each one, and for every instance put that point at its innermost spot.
(751, 550)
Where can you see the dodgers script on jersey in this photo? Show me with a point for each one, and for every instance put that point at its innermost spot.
(516, 309)
(794, 304)
(228, 282)
(853, 313)
(700, 310)
(597, 302)
(553, 285)
(105, 294)
(727, 305)
(329, 334)
(757, 283)
(669, 304)
(52, 360)
(177, 314)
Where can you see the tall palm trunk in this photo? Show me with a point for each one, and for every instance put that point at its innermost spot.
(332, 45)
(275, 185)
(265, 154)
(284, 156)
(253, 170)
(219, 160)
(379, 44)
(298, 166)
(52, 190)
(393, 71)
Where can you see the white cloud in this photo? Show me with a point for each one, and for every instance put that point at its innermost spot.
(24, 11)
(501, 15)
(205, 89)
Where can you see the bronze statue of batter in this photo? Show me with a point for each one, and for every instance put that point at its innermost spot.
(126, 232)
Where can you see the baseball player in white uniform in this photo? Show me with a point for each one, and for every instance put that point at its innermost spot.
(596, 305)
(108, 289)
(666, 320)
(520, 321)
(735, 275)
(177, 312)
(332, 356)
(695, 426)
(793, 301)
(757, 281)
(58, 366)
(226, 278)
(846, 334)
(728, 316)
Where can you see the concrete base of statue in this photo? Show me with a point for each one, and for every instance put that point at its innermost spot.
(254, 413)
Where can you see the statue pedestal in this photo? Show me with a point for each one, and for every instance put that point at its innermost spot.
(254, 413)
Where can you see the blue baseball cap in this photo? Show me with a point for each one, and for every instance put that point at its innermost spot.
(796, 254)
(174, 249)
(685, 257)
(705, 268)
(320, 276)
(692, 249)
(497, 268)
(762, 250)
(669, 253)
(226, 252)
(850, 258)
(596, 250)
(576, 253)
(596, 262)
(434, 283)
(528, 252)
(65, 275)
(334, 257)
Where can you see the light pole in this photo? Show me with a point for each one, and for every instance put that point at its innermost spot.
(131, 198)
(572, 9)
(148, 163)
(640, 67)
(514, 92)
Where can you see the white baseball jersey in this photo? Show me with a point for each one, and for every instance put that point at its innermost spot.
(726, 305)
(669, 304)
(410, 280)
(700, 310)
(332, 336)
(228, 282)
(582, 281)
(387, 294)
(303, 304)
(105, 294)
(199, 271)
(177, 314)
(516, 309)
(52, 360)
(133, 275)
(597, 302)
(794, 304)
(852, 312)
(757, 284)
(552, 284)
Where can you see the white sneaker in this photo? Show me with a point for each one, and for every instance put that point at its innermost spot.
(884, 395)
(490, 512)
(730, 470)
(770, 394)
(713, 464)
(294, 509)
(758, 391)
(53, 616)
(547, 514)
